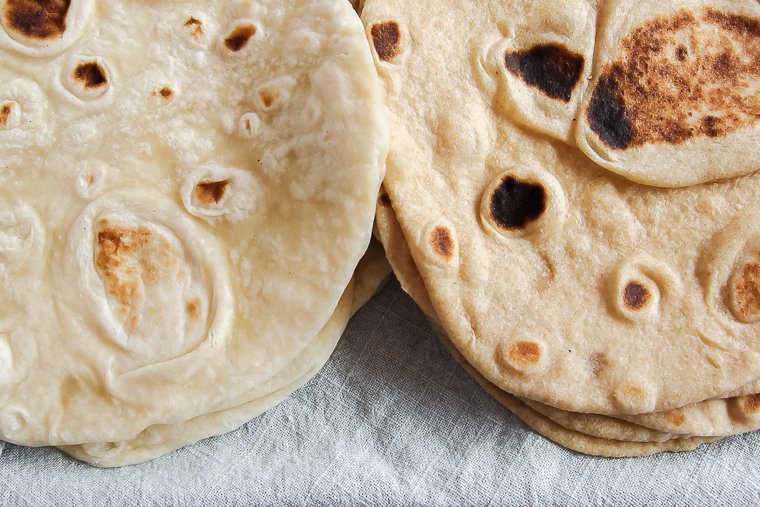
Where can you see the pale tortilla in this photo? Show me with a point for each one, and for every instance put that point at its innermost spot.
(187, 190)
(158, 440)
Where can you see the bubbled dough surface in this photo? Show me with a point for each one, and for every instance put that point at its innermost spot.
(127, 303)
(588, 433)
(556, 296)
(158, 440)
(718, 417)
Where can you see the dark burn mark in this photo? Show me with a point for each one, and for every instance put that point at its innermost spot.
(211, 192)
(551, 68)
(442, 242)
(37, 19)
(710, 126)
(166, 93)
(239, 37)
(516, 203)
(386, 37)
(195, 26)
(660, 92)
(90, 75)
(635, 295)
(607, 115)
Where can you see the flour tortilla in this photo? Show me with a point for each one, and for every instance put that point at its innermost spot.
(711, 418)
(557, 279)
(156, 441)
(587, 435)
(188, 188)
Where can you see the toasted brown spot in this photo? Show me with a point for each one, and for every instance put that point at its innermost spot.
(658, 92)
(551, 68)
(165, 93)
(745, 288)
(37, 19)
(386, 37)
(681, 53)
(384, 200)
(90, 75)
(676, 418)
(194, 308)
(751, 404)
(267, 96)
(632, 394)
(128, 258)
(442, 242)
(239, 37)
(598, 363)
(635, 295)
(517, 203)
(210, 192)
(5, 113)
(524, 354)
(195, 26)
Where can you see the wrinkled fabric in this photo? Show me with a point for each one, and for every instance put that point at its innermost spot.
(390, 420)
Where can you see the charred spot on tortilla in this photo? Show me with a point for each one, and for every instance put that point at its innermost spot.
(386, 37)
(195, 26)
(211, 192)
(551, 68)
(239, 37)
(658, 91)
(37, 19)
(90, 75)
(516, 203)
(635, 295)
(5, 113)
(442, 242)
(165, 93)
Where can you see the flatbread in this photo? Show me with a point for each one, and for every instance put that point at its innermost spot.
(702, 418)
(557, 279)
(177, 222)
(158, 440)
(573, 431)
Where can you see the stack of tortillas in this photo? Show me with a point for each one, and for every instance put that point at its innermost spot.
(188, 188)
(571, 199)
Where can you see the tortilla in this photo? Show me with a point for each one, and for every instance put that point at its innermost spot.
(701, 419)
(158, 440)
(557, 279)
(176, 221)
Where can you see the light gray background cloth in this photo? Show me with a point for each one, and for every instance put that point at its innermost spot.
(390, 420)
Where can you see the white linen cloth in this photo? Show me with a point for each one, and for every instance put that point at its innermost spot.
(390, 420)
